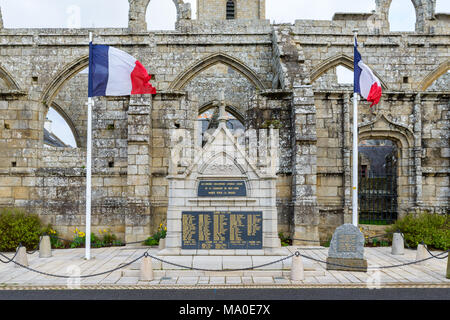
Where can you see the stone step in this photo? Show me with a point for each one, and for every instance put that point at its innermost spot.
(158, 274)
(224, 262)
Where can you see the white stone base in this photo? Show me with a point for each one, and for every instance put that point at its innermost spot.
(262, 252)
(221, 263)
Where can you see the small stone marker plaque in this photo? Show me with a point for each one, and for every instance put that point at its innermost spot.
(347, 249)
(346, 243)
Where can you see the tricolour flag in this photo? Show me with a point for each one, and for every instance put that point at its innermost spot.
(365, 82)
(113, 72)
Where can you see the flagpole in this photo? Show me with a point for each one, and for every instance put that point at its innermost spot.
(89, 173)
(355, 152)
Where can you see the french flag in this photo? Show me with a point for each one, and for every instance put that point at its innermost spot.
(113, 72)
(365, 82)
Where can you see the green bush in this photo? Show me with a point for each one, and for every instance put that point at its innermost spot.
(285, 240)
(432, 229)
(19, 227)
(154, 240)
(151, 242)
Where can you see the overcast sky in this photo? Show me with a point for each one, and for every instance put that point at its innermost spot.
(161, 15)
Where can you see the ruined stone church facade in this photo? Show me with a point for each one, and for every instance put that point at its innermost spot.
(274, 76)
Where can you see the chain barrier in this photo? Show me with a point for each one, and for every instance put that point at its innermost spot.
(81, 276)
(431, 254)
(380, 267)
(296, 253)
(9, 259)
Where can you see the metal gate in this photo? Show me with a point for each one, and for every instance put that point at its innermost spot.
(377, 198)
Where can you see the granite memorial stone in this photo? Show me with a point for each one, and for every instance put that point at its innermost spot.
(346, 250)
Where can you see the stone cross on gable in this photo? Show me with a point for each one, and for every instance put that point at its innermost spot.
(222, 112)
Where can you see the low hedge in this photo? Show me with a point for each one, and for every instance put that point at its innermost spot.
(431, 228)
(19, 227)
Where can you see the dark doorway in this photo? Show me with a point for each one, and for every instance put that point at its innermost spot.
(377, 190)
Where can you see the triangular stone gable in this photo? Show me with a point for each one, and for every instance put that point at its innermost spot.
(222, 156)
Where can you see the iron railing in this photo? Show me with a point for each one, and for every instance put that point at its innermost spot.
(377, 195)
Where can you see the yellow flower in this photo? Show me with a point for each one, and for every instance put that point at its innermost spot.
(105, 231)
(81, 234)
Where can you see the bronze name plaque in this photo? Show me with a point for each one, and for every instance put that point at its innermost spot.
(221, 230)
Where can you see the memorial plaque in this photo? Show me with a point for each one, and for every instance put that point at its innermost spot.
(346, 243)
(212, 188)
(221, 230)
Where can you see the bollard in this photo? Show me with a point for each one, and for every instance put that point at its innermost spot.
(45, 248)
(297, 271)
(398, 244)
(421, 253)
(448, 265)
(21, 257)
(146, 272)
(162, 244)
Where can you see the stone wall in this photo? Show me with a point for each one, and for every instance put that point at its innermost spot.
(273, 75)
(216, 9)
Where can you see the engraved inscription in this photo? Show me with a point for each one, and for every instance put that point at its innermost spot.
(222, 189)
(222, 230)
(346, 243)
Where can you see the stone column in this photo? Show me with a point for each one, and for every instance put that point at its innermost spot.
(137, 220)
(306, 211)
(136, 15)
(418, 149)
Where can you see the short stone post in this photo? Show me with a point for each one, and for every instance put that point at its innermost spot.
(162, 244)
(21, 257)
(398, 244)
(421, 253)
(45, 247)
(448, 265)
(297, 271)
(146, 272)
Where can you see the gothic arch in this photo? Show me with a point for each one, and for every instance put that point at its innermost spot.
(229, 108)
(425, 10)
(434, 75)
(68, 72)
(220, 154)
(340, 59)
(182, 79)
(8, 79)
(383, 128)
(138, 11)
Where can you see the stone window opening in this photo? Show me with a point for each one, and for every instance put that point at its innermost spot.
(157, 22)
(208, 122)
(57, 132)
(405, 14)
(231, 10)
